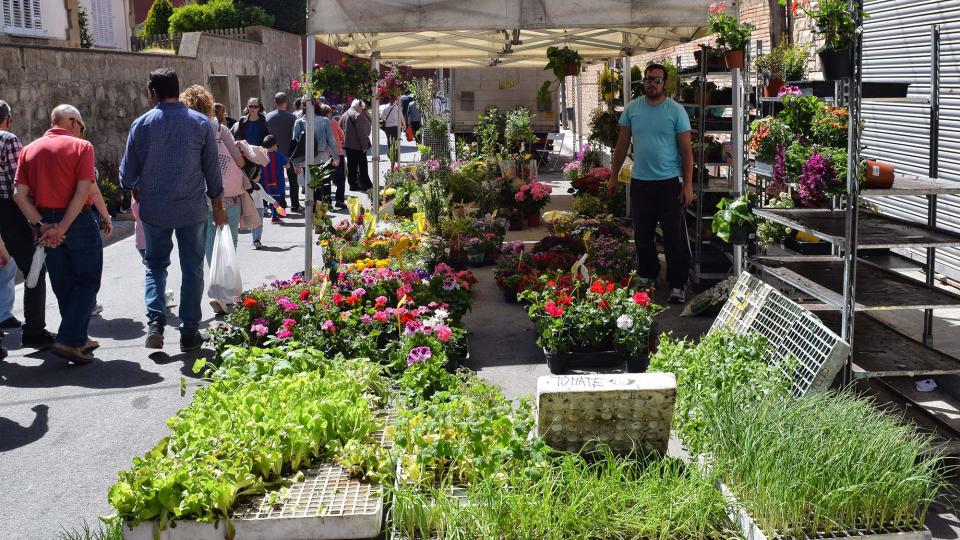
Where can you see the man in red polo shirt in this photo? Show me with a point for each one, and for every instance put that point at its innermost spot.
(53, 185)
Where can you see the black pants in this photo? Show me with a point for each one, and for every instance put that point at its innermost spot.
(339, 179)
(416, 131)
(18, 237)
(294, 184)
(392, 134)
(658, 201)
(358, 175)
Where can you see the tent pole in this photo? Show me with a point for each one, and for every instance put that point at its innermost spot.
(627, 93)
(375, 111)
(309, 159)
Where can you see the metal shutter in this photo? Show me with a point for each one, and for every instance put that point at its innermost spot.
(896, 48)
(22, 15)
(101, 23)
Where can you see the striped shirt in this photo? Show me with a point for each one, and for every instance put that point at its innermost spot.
(272, 174)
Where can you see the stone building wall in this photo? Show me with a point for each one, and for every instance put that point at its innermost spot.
(110, 88)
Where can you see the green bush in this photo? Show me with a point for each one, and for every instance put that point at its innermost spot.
(158, 18)
(217, 14)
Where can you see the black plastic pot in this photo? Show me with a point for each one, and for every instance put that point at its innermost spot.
(742, 234)
(836, 64)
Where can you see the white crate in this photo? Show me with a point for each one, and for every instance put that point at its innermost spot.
(625, 411)
(795, 334)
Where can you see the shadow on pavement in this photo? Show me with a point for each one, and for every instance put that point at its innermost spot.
(162, 358)
(118, 329)
(15, 435)
(275, 249)
(55, 371)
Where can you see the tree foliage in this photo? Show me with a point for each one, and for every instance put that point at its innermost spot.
(158, 18)
(288, 15)
(217, 14)
(83, 21)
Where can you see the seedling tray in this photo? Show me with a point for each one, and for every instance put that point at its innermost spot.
(751, 531)
(457, 491)
(327, 504)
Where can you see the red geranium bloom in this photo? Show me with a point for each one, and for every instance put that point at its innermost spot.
(641, 299)
(565, 299)
(604, 304)
(597, 287)
(553, 309)
(337, 299)
(249, 303)
(610, 287)
(353, 300)
(304, 294)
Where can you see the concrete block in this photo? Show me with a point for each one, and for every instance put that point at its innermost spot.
(627, 412)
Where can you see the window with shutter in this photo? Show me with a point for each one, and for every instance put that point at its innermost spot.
(101, 23)
(22, 17)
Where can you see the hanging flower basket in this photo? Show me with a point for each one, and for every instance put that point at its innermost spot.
(836, 64)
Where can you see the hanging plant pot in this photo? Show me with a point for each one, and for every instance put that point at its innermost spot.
(571, 70)
(533, 220)
(734, 59)
(773, 87)
(836, 64)
(742, 234)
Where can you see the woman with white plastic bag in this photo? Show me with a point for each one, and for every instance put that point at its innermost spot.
(225, 282)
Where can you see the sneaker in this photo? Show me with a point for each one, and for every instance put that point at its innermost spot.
(91, 345)
(154, 337)
(257, 244)
(275, 220)
(38, 340)
(677, 296)
(12, 322)
(191, 342)
(168, 297)
(97, 309)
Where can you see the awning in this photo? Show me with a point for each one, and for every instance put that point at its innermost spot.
(516, 33)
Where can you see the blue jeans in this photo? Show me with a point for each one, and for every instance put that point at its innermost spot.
(191, 242)
(257, 232)
(8, 289)
(75, 268)
(233, 220)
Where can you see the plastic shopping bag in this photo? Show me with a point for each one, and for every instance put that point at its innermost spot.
(39, 256)
(225, 283)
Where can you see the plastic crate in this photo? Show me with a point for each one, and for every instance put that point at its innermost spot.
(796, 336)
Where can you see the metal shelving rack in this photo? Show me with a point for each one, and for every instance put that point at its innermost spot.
(846, 284)
(706, 181)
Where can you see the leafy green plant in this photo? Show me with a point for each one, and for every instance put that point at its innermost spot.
(732, 214)
(217, 14)
(766, 134)
(544, 97)
(113, 530)
(609, 83)
(785, 62)
(720, 362)
(732, 35)
(83, 21)
(770, 233)
(829, 127)
(604, 128)
(518, 130)
(799, 112)
(826, 462)
(489, 133)
(158, 18)
(559, 58)
(834, 22)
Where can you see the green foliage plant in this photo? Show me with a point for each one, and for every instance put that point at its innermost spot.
(834, 21)
(732, 213)
(798, 113)
(83, 21)
(732, 35)
(158, 19)
(558, 58)
(217, 14)
(544, 96)
(766, 134)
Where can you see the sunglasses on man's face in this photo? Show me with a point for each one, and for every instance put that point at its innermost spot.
(83, 128)
(654, 80)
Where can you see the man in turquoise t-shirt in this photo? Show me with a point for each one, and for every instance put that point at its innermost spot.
(662, 179)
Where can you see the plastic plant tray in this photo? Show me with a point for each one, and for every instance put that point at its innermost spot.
(327, 504)
(751, 531)
(627, 412)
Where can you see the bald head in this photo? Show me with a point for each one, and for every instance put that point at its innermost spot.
(68, 117)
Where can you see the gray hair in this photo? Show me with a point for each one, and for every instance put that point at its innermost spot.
(64, 111)
(4, 111)
(355, 104)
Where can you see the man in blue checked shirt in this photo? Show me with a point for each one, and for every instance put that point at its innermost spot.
(171, 163)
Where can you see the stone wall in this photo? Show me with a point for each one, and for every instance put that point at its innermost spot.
(110, 88)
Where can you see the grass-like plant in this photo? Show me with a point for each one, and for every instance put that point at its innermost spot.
(823, 463)
(600, 496)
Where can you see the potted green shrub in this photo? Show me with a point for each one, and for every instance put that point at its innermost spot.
(734, 221)
(610, 82)
(563, 61)
(784, 63)
(544, 97)
(836, 23)
(732, 35)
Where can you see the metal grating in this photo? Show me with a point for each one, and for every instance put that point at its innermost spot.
(326, 491)
(796, 335)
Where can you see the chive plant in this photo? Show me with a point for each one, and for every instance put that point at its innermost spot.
(823, 463)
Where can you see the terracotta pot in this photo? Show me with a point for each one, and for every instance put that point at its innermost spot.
(773, 87)
(571, 70)
(533, 220)
(879, 175)
(836, 64)
(734, 59)
(707, 98)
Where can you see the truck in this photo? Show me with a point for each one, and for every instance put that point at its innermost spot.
(476, 89)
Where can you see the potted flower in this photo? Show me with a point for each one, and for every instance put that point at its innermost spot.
(837, 24)
(732, 35)
(766, 134)
(784, 63)
(563, 61)
(530, 200)
(596, 323)
(610, 82)
(476, 250)
(390, 86)
(734, 221)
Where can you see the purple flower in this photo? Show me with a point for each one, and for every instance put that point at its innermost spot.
(259, 330)
(418, 354)
(366, 319)
(328, 326)
(817, 176)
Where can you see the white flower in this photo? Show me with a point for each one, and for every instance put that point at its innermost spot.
(440, 314)
(624, 322)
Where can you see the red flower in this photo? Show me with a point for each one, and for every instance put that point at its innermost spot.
(304, 294)
(353, 300)
(641, 299)
(337, 299)
(610, 287)
(604, 304)
(553, 309)
(565, 299)
(597, 287)
(552, 283)
(249, 303)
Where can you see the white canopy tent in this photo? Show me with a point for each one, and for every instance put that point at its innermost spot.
(485, 33)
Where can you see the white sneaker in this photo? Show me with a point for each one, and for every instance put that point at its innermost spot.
(677, 296)
(168, 295)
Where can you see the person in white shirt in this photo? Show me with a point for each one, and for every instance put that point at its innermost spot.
(391, 118)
